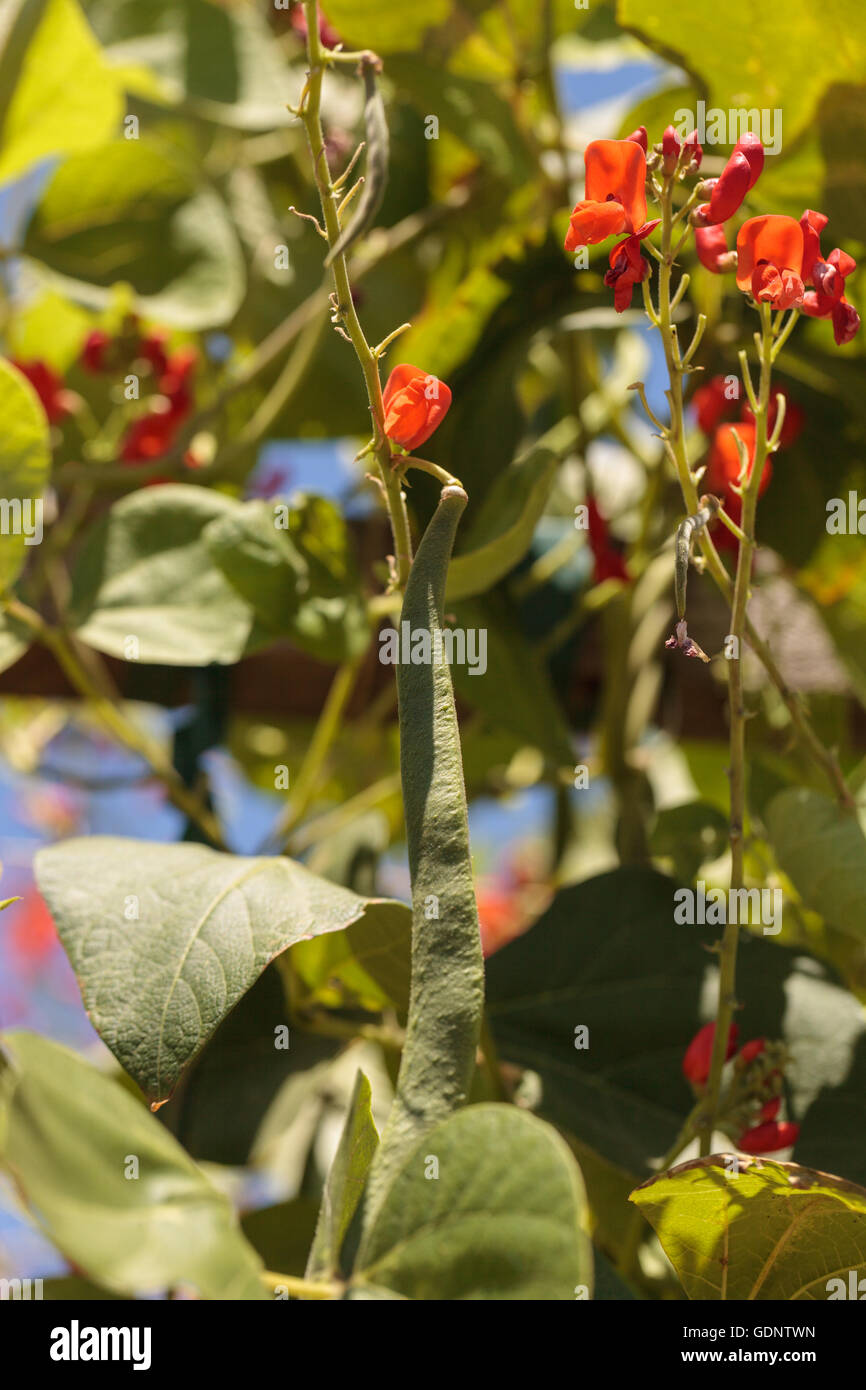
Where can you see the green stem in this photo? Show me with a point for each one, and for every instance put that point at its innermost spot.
(311, 116)
(299, 1288)
(737, 735)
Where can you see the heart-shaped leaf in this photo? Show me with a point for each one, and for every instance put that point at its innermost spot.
(166, 939)
(114, 1192)
(146, 589)
(490, 1205)
(736, 1227)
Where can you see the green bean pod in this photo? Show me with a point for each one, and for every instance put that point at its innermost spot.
(378, 158)
(447, 992)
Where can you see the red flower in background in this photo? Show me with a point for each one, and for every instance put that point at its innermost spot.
(608, 563)
(699, 1053)
(155, 432)
(712, 403)
(768, 1137)
(56, 401)
(615, 198)
(32, 934)
(770, 260)
(792, 425)
(327, 33)
(416, 403)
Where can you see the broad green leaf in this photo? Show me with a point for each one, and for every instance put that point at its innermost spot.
(609, 956)
(446, 999)
(379, 25)
(25, 463)
(490, 1205)
(787, 68)
(66, 98)
(242, 1073)
(369, 961)
(144, 587)
(746, 1228)
(180, 254)
(113, 1191)
(293, 563)
(503, 529)
(690, 834)
(822, 849)
(532, 710)
(345, 1183)
(50, 328)
(14, 641)
(166, 939)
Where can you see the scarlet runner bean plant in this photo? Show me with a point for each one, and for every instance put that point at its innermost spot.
(618, 1058)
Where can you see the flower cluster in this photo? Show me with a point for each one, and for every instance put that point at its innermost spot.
(778, 260)
(753, 1100)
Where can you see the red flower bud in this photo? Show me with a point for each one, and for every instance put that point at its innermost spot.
(639, 137)
(699, 1053)
(94, 352)
(751, 148)
(750, 1050)
(768, 1137)
(729, 189)
(671, 146)
(770, 1110)
(712, 403)
(711, 245)
(846, 322)
(415, 405)
(693, 149)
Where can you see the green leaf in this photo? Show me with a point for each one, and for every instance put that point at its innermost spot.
(68, 1139)
(14, 641)
(691, 834)
(241, 1073)
(788, 68)
(377, 24)
(25, 463)
(501, 533)
(144, 587)
(766, 1230)
(608, 955)
(822, 849)
(345, 1183)
(293, 563)
(532, 710)
(371, 961)
(501, 1215)
(447, 991)
(66, 98)
(282, 1234)
(166, 939)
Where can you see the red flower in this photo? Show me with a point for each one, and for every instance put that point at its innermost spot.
(498, 919)
(628, 267)
(750, 1050)
(615, 193)
(93, 357)
(608, 563)
(770, 1110)
(770, 260)
(812, 225)
(150, 436)
(713, 403)
(711, 244)
(56, 402)
(416, 403)
(723, 466)
(153, 349)
(176, 380)
(699, 1053)
(827, 299)
(769, 1136)
(32, 934)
